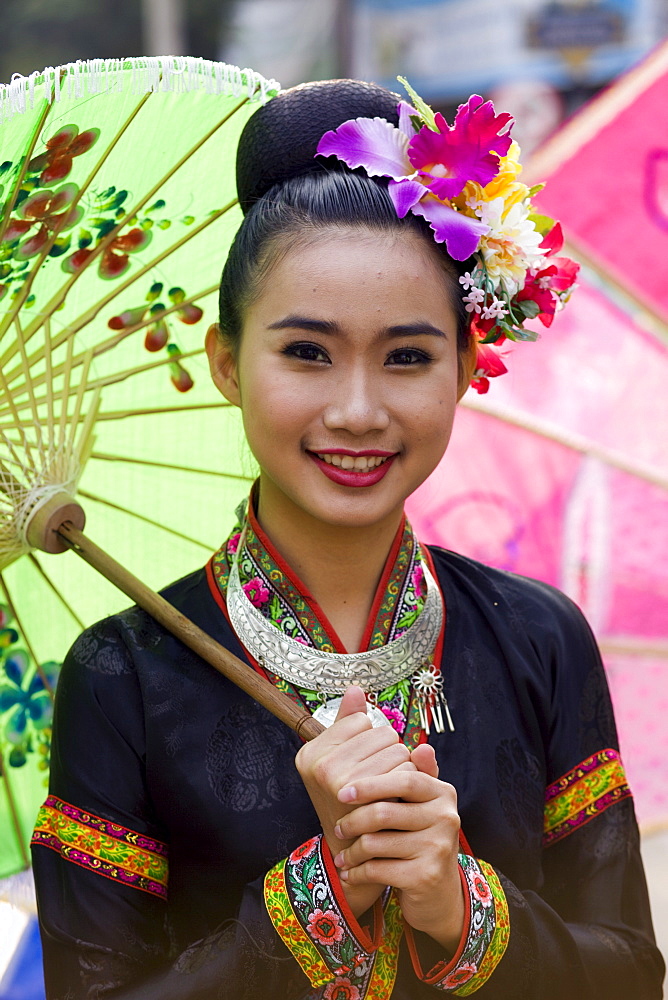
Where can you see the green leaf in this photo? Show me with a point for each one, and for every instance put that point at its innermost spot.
(528, 307)
(535, 189)
(543, 223)
(426, 112)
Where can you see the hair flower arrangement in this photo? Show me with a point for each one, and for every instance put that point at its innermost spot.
(463, 179)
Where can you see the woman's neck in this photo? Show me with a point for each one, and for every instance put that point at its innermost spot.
(341, 566)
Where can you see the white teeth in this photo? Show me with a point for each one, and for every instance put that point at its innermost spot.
(361, 463)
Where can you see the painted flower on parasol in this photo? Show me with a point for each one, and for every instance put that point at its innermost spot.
(26, 701)
(464, 180)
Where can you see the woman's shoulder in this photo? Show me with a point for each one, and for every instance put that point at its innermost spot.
(113, 645)
(525, 601)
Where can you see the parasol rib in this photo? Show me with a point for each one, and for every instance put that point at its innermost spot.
(20, 425)
(47, 579)
(98, 383)
(145, 519)
(12, 608)
(11, 202)
(166, 465)
(575, 442)
(97, 349)
(103, 245)
(13, 812)
(262, 690)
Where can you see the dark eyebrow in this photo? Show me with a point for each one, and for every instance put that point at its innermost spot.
(303, 323)
(329, 326)
(414, 330)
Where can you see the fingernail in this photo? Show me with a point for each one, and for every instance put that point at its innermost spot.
(339, 832)
(343, 874)
(348, 794)
(339, 859)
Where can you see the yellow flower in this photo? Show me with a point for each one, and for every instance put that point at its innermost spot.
(505, 185)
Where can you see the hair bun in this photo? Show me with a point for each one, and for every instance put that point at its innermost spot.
(280, 140)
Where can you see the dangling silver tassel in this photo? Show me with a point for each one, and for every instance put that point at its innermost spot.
(428, 685)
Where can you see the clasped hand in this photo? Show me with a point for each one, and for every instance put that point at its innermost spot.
(387, 819)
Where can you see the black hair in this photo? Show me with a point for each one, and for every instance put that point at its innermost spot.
(299, 207)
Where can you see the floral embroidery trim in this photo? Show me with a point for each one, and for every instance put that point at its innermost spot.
(308, 909)
(583, 793)
(104, 847)
(485, 937)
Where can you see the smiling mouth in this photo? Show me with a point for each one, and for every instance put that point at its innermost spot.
(350, 463)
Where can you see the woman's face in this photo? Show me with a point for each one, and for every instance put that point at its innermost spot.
(346, 375)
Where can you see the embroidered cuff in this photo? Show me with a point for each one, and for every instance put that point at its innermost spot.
(101, 846)
(579, 796)
(484, 938)
(307, 906)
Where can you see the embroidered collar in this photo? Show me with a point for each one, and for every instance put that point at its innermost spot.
(283, 599)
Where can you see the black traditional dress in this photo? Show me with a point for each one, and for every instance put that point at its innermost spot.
(178, 856)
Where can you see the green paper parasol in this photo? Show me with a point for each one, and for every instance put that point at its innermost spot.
(117, 207)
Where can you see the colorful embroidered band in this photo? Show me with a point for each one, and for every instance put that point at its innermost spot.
(582, 794)
(486, 934)
(100, 846)
(316, 925)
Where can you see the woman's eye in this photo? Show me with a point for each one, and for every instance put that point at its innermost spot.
(305, 351)
(406, 356)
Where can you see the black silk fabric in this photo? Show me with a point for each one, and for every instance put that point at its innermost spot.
(151, 737)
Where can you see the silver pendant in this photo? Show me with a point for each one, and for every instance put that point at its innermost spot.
(428, 685)
(326, 714)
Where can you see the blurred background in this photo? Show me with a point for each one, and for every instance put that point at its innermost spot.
(541, 59)
(562, 472)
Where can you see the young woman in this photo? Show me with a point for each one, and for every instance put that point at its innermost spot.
(190, 846)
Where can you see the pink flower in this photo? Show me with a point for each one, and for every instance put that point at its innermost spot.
(469, 151)
(50, 211)
(341, 989)
(459, 976)
(256, 592)
(417, 579)
(325, 927)
(303, 850)
(482, 891)
(233, 542)
(396, 717)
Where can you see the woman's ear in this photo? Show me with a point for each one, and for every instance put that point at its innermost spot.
(222, 365)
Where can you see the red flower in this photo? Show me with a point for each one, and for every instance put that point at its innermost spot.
(325, 927)
(307, 848)
(50, 211)
(482, 891)
(61, 149)
(114, 260)
(341, 989)
(488, 365)
(459, 976)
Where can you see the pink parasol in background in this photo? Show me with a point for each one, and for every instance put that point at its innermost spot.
(560, 472)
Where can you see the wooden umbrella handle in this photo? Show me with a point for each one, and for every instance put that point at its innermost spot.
(258, 687)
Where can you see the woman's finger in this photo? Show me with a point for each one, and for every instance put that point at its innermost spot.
(385, 815)
(397, 784)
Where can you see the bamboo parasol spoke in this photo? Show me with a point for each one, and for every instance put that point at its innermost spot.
(56, 592)
(169, 465)
(147, 520)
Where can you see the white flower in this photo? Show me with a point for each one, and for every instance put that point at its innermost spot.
(467, 281)
(473, 300)
(511, 247)
(495, 310)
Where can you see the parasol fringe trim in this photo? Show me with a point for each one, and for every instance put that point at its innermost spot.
(76, 80)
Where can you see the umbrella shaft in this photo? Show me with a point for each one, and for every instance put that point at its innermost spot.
(258, 687)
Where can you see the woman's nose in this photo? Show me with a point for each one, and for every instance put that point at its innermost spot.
(359, 406)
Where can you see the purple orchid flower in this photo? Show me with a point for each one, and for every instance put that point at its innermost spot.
(385, 151)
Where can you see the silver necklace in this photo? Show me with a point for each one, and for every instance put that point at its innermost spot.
(331, 673)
